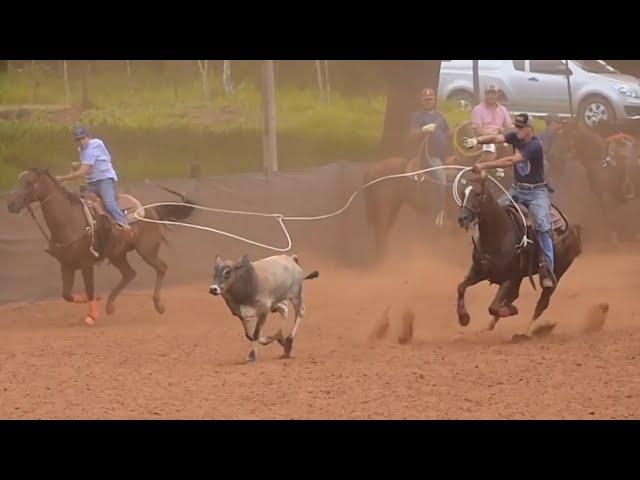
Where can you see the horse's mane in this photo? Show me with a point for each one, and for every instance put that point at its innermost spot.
(71, 196)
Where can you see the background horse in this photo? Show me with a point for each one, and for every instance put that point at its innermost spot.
(607, 180)
(72, 239)
(498, 257)
(384, 200)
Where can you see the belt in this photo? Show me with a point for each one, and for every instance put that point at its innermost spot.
(531, 186)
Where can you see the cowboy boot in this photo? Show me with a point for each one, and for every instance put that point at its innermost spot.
(547, 277)
(125, 232)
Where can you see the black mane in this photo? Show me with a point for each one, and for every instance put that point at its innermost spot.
(71, 196)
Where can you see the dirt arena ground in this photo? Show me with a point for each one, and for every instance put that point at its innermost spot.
(190, 362)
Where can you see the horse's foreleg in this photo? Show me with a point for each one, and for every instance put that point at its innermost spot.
(383, 223)
(128, 274)
(68, 276)
(473, 277)
(148, 250)
(504, 307)
(610, 222)
(87, 277)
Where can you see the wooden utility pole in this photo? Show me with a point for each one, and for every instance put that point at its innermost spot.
(269, 148)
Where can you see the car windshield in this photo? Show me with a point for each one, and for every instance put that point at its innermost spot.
(596, 66)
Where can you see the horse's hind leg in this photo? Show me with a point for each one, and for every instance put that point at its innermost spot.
(541, 306)
(128, 274)
(148, 247)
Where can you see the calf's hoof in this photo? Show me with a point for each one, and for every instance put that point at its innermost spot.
(251, 357)
(288, 346)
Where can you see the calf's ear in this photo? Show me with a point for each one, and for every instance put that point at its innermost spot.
(243, 261)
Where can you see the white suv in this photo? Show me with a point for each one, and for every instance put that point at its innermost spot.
(599, 92)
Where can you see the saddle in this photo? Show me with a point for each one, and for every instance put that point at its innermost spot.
(128, 204)
(559, 222)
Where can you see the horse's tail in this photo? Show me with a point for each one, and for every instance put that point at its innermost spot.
(578, 229)
(175, 212)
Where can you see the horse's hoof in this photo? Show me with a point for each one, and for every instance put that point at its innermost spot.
(543, 330)
(89, 321)
(251, 357)
(288, 346)
(492, 324)
(464, 319)
(520, 337)
(508, 311)
(111, 308)
(159, 308)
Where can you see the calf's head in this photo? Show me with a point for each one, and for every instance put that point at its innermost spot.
(229, 275)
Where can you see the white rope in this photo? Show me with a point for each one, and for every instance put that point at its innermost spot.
(456, 196)
(281, 218)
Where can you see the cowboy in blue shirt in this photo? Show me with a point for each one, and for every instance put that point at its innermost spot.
(530, 187)
(95, 165)
(429, 120)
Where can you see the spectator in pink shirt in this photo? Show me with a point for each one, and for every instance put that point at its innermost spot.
(490, 118)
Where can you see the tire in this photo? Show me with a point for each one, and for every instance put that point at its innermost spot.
(595, 108)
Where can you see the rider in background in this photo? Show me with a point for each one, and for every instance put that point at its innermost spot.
(490, 118)
(96, 166)
(429, 121)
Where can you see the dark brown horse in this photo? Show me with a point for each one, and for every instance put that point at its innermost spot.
(499, 257)
(72, 240)
(609, 181)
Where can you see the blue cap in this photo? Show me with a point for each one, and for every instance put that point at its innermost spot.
(79, 133)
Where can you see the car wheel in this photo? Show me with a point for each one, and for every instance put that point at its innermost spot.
(596, 109)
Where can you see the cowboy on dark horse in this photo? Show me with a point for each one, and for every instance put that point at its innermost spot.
(530, 188)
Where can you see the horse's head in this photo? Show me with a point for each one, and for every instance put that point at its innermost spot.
(31, 187)
(474, 196)
(566, 138)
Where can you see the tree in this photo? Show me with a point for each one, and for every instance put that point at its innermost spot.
(269, 145)
(67, 89)
(323, 80)
(204, 69)
(405, 80)
(226, 77)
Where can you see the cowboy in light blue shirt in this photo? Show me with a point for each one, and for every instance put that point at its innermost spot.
(96, 166)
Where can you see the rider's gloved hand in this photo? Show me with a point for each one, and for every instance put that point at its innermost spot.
(469, 142)
(430, 127)
(477, 169)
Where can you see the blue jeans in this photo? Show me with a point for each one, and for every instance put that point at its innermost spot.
(106, 189)
(441, 177)
(538, 203)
